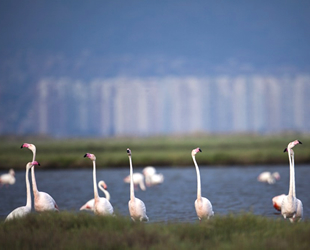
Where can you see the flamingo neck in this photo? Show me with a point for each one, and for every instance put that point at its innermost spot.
(132, 191)
(291, 191)
(293, 181)
(28, 204)
(34, 183)
(198, 178)
(33, 155)
(106, 193)
(95, 181)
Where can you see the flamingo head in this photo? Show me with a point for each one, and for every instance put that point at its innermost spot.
(128, 152)
(127, 179)
(103, 184)
(292, 144)
(195, 151)
(149, 171)
(12, 172)
(31, 164)
(276, 175)
(90, 156)
(32, 147)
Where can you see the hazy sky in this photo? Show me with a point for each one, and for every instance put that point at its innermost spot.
(81, 41)
(252, 33)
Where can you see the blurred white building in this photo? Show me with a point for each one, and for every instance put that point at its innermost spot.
(152, 106)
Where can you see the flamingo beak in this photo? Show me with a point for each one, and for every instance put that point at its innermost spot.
(285, 150)
(300, 142)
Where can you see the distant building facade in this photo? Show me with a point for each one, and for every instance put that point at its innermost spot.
(152, 106)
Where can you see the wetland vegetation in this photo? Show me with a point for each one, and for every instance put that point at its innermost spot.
(67, 230)
(241, 149)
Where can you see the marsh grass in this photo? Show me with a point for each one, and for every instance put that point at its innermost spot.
(158, 151)
(68, 230)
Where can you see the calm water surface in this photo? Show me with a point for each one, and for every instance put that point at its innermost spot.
(230, 190)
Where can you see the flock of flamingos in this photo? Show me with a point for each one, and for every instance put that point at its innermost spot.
(289, 205)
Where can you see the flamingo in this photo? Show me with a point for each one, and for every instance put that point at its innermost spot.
(101, 205)
(42, 200)
(151, 177)
(291, 207)
(136, 206)
(8, 178)
(24, 210)
(268, 177)
(202, 205)
(138, 179)
(90, 204)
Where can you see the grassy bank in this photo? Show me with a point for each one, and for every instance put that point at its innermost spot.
(84, 231)
(157, 151)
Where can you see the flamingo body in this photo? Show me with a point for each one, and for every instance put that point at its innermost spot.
(89, 205)
(19, 212)
(268, 177)
(138, 179)
(102, 206)
(154, 179)
(137, 210)
(289, 206)
(299, 212)
(44, 202)
(277, 201)
(292, 208)
(203, 208)
(8, 178)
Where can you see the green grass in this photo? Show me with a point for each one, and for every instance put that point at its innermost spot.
(245, 149)
(67, 230)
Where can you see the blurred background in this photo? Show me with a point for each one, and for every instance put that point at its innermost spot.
(114, 68)
(225, 75)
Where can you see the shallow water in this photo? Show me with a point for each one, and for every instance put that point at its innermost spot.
(230, 189)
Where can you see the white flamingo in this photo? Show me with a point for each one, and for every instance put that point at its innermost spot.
(151, 177)
(291, 207)
(8, 178)
(24, 210)
(90, 204)
(202, 205)
(101, 205)
(138, 179)
(268, 177)
(42, 200)
(136, 206)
